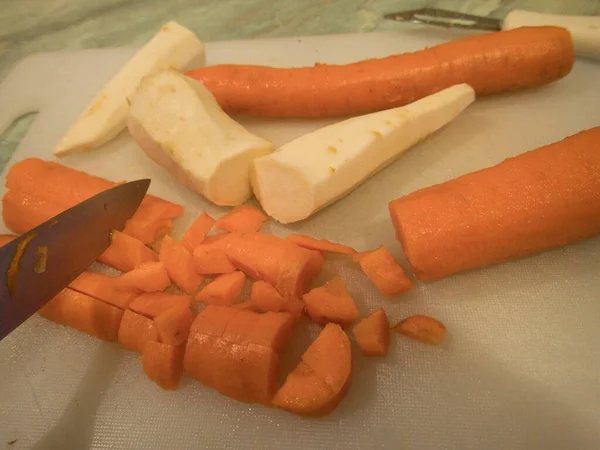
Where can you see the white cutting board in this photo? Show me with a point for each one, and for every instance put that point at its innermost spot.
(519, 370)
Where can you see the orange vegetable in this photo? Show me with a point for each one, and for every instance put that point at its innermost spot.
(270, 258)
(174, 324)
(385, 272)
(226, 289)
(212, 261)
(151, 304)
(219, 241)
(266, 297)
(6, 238)
(180, 265)
(136, 331)
(103, 287)
(22, 212)
(197, 231)
(422, 328)
(322, 379)
(163, 364)
(213, 320)
(126, 253)
(148, 277)
(322, 245)
(84, 313)
(517, 59)
(372, 334)
(316, 263)
(331, 303)
(242, 218)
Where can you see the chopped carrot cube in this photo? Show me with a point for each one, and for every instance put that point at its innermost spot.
(422, 328)
(163, 364)
(385, 272)
(373, 334)
(174, 324)
(212, 261)
(136, 330)
(226, 289)
(148, 277)
(242, 218)
(180, 265)
(331, 303)
(197, 231)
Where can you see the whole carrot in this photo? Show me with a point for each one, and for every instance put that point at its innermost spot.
(490, 63)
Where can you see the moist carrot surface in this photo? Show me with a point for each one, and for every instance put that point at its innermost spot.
(84, 313)
(173, 325)
(148, 277)
(535, 201)
(136, 330)
(372, 334)
(226, 289)
(152, 304)
(163, 364)
(196, 233)
(266, 297)
(322, 245)
(331, 303)
(242, 218)
(126, 253)
(180, 265)
(212, 261)
(103, 287)
(384, 271)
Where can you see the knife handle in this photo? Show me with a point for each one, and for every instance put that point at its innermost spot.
(585, 30)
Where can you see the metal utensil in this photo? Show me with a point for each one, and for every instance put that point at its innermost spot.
(40, 263)
(585, 30)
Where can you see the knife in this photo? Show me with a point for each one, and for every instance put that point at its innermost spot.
(585, 30)
(36, 266)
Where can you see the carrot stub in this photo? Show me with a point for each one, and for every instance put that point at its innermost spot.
(384, 272)
(179, 263)
(372, 334)
(163, 364)
(197, 231)
(226, 289)
(422, 328)
(242, 218)
(322, 245)
(331, 303)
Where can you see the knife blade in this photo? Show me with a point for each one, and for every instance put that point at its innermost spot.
(37, 265)
(585, 30)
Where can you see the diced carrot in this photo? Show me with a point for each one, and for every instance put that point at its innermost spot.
(197, 231)
(198, 359)
(84, 313)
(213, 320)
(136, 330)
(212, 261)
(242, 218)
(272, 330)
(422, 328)
(226, 289)
(322, 245)
(174, 324)
(163, 364)
(373, 334)
(6, 238)
(384, 272)
(258, 368)
(151, 304)
(331, 303)
(149, 277)
(317, 261)
(215, 241)
(265, 297)
(270, 258)
(240, 327)
(103, 287)
(126, 253)
(180, 265)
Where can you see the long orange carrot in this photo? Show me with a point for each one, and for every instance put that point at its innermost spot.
(492, 62)
(533, 202)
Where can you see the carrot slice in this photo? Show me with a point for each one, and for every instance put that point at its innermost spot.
(331, 303)
(103, 287)
(84, 313)
(215, 241)
(384, 271)
(174, 324)
(266, 297)
(197, 231)
(212, 261)
(163, 364)
(126, 253)
(226, 289)
(136, 330)
(6, 238)
(180, 265)
(148, 277)
(213, 320)
(151, 304)
(322, 245)
(422, 328)
(373, 334)
(243, 218)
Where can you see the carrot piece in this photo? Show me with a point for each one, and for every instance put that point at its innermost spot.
(212, 261)
(84, 313)
(103, 287)
(22, 212)
(219, 241)
(385, 273)
(373, 334)
(213, 320)
(180, 265)
(331, 303)
(163, 364)
(258, 369)
(148, 277)
(524, 205)
(422, 328)
(360, 255)
(6, 238)
(242, 218)
(151, 304)
(174, 324)
(136, 330)
(196, 233)
(226, 289)
(126, 253)
(272, 330)
(521, 58)
(270, 258)
(316, 263)
(266, 297)
(322, 245)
